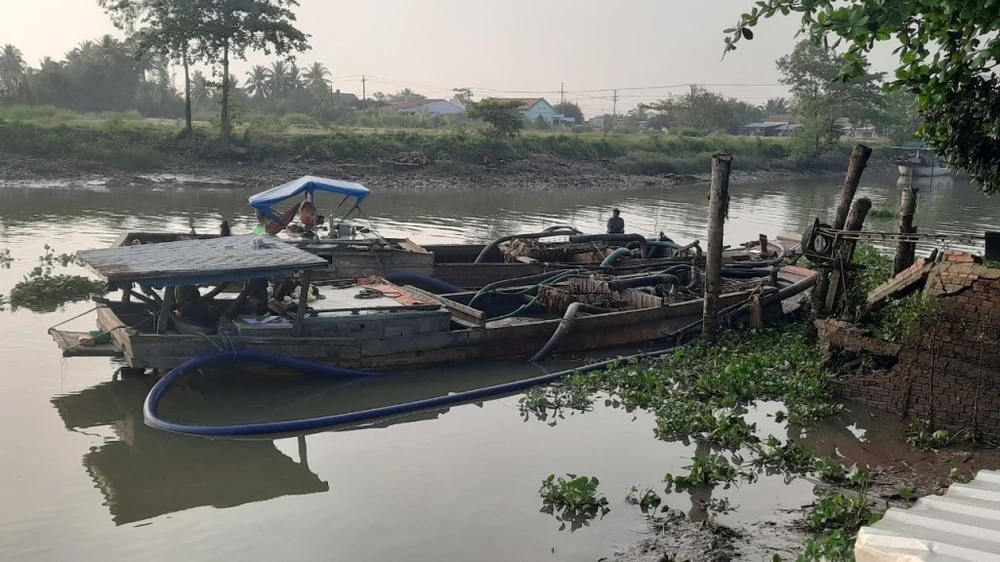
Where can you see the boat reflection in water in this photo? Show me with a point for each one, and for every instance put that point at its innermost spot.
(147, 473)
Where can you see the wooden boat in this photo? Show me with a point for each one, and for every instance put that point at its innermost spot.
(371, 323)
(923, 162)
(352, 250)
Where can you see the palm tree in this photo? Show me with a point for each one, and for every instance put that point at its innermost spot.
(294, 77)
(258, 80)
(201, 90)
(406, 94)
(316, 76)
(776, 106)
(12, 72)
(279, 80)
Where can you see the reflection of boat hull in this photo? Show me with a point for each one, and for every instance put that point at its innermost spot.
(923, 171)
(937, 182)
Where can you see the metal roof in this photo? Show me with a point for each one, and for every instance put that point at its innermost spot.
(196, 262)
(963, 525)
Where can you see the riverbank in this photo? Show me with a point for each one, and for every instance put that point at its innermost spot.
(126, 154)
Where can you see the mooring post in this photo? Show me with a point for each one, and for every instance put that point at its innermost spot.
(300, 314)
(718, 210)
(906, 252)
(844, 254)
(859, 159)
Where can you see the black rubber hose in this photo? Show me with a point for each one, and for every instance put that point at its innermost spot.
(424, 282)
(648, 281)
(778, 296)
(563, 328)
(550, 231)
(621, 238)
(529, 280)
(747, 272)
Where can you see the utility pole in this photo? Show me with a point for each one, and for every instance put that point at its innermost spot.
(562, 97)
(614, 97)
(364, 95)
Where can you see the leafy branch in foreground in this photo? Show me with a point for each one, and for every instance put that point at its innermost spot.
(947, 50)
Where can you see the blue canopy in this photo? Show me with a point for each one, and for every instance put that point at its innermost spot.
(306, 184)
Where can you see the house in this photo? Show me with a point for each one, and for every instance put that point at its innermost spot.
(856, 131)
(533, 108)
(431, 107)
(347, 99)
(772, 126)
(618, 122)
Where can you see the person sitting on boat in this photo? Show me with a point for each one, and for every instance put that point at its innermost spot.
(616, 224)
(189, 305)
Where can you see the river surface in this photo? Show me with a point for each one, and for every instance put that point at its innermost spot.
(84, 479)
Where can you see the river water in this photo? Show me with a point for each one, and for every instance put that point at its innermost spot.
(84, 479)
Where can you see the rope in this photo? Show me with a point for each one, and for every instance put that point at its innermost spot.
(82, 314)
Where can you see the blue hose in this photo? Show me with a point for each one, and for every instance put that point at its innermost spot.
(151, 405)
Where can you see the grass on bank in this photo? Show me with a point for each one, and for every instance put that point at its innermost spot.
(122, 141)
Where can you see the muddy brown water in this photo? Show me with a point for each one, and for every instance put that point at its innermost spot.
(84, 479)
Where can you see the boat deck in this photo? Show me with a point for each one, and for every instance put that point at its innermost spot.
(71, 346)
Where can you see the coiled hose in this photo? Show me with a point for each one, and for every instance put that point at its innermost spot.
(550, 231)
(150, 408)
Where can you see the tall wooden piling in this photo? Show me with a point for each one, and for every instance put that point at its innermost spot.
(718, 211)
(859, 159)
(844, 254)
(906, 252)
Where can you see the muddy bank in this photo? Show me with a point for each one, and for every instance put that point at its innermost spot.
(536, 175)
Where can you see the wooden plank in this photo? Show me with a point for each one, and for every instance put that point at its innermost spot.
(466, 313)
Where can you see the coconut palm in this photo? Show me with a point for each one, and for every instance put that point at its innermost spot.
(201, 91)
(316, 76)
(12, 73)
(279, 82)
(294, 77)
(258, 80)
(776, 106)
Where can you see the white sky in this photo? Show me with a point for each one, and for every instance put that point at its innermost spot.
(525, 47)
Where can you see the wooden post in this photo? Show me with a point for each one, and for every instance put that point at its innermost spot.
(764, 246)
(718, 210)
(845, 253)
(859, 159)
(300, 314)
(906, 252)
(165, 306)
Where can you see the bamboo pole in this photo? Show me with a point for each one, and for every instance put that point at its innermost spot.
(718, 211)
(845, 253)
(906, 252)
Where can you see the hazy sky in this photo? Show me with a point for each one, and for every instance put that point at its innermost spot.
(524, 47)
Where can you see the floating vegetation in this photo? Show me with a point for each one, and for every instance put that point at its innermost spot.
(708, 470)
(41, 290)
(882, 213)
(647, 499)
(574, 499)
(921, 435)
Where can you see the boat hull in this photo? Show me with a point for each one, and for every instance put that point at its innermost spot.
(923, 171)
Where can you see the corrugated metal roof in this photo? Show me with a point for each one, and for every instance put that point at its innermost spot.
(963, 525)
(195, 262)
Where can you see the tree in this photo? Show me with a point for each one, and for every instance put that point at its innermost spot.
(229, 28)
(901, 119)
(948, 51)
(405, 94)
(165, 27)
(699, 108)
(502, 116)
(12, 73)
(775, 106)
(201, 89)
(820, 101)
(570, 109)
(258, 80)
(316, 77)
(463, 95)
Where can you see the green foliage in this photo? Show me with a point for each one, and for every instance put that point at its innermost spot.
(788, 457)
(874, 269)
(41, 290)
(647, 499)
(501, 115)
(5, 258)
(834, 547)
(574, 498)
(947, 50)
(921, 435)
(705, 471)
(901, 319)
(570, 109)
(882, 213)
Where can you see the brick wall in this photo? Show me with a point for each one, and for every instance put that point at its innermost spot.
(950, 368)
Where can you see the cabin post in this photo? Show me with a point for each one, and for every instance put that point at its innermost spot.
(300, 314)
(844, 254)
(906, 252)
(764, 245)
(718, 210)
(165, 306)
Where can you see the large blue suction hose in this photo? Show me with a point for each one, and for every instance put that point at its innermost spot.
(151, 414)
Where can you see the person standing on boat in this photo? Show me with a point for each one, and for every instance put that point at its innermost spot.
(616, 224)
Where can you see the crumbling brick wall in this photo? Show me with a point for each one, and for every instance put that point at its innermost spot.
(949, 370)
